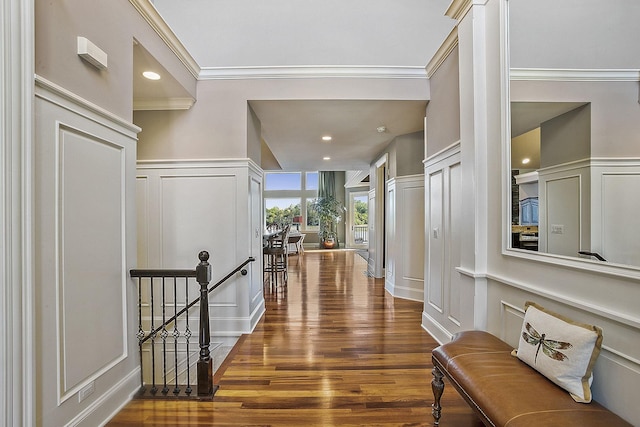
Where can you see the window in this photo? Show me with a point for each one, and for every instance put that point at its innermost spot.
(287, 196)
(311, 181)
(283, 181)
(281, 211)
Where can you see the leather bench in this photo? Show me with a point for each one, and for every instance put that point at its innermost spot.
(505, 391)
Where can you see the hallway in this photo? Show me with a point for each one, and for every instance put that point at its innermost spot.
(332, 349)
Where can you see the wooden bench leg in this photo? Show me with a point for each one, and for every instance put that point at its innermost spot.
(437, 385)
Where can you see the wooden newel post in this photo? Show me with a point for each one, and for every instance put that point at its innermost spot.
(205, 367)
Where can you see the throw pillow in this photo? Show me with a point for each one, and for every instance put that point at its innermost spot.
(560, 349)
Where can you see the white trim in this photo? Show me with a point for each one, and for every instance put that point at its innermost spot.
(198, 163)
(615, 161)
(17, 299)
(312, 72)
(526, 178)
(571, 302)
(155, 104)
(150, 14)
(129, 385)
(582, 264)
(442, 155)
(356, 180)
(505, 129)
(56, 94)
(443, 52)
(458, 9)
(564, 167)
(381, 161)
(575, 75)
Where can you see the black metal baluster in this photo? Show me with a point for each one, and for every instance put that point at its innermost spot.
(176, 334)
(140, 334)
(154, 389)
(164, 335)
(187, 334)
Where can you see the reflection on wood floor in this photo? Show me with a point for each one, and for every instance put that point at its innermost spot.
(333, 349)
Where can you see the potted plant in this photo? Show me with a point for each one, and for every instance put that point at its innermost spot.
(329, 210)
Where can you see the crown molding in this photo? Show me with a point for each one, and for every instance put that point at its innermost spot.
(443, 52)
(575, 75)
(150, 14)
(311, 72)
(155, 104)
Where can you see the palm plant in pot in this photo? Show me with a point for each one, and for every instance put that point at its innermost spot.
(329, 210)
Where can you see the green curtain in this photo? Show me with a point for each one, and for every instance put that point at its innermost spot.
(327, 184)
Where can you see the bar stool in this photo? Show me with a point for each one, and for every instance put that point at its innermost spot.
(276, 257)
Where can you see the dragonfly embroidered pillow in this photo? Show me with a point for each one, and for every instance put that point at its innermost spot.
(560, 349)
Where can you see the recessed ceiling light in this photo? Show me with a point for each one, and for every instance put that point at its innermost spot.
(326, 138)
(381, 129)
(151, 75)
(526, 160)
(326, 158)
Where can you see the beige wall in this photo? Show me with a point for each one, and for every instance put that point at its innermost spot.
(566, 138)
(615, 128)
(112, 26)
(443, 110)
(216, 126)
(574, 34)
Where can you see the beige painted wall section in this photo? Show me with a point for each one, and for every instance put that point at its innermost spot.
(566, 138)
(615, 128)
(254, 138)
(443, 110)
(409, 154)
(216, 126)
(588, 35)
(111, 26)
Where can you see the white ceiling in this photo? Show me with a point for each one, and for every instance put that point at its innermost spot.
(244, 33)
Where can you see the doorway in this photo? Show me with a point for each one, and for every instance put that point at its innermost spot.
(358, 220)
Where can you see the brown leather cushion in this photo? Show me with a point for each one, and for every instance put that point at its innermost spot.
(507, 391)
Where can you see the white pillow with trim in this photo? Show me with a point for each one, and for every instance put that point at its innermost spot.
(562, 350)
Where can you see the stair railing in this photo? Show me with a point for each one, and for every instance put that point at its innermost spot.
(163, 279)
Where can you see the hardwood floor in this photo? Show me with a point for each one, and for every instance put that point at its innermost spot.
(333, 349)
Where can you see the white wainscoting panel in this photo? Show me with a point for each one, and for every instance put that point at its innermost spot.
(565, 198)
(84, 222)
(195, 218)
(619, 214)
(198, 205)
(448, 303)
(616, 382)
(435, 241)
(405, 237)
(91, 248)
(392, 239)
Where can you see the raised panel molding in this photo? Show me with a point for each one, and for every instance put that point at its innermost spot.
(205, 204)
(90, 212)
(445, 296)
(84, 221)
(405, 237)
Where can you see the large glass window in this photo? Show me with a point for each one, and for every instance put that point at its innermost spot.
(287, 196)
(311, 181)
(283, 181)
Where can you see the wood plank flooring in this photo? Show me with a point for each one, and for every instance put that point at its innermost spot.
(333, 349)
